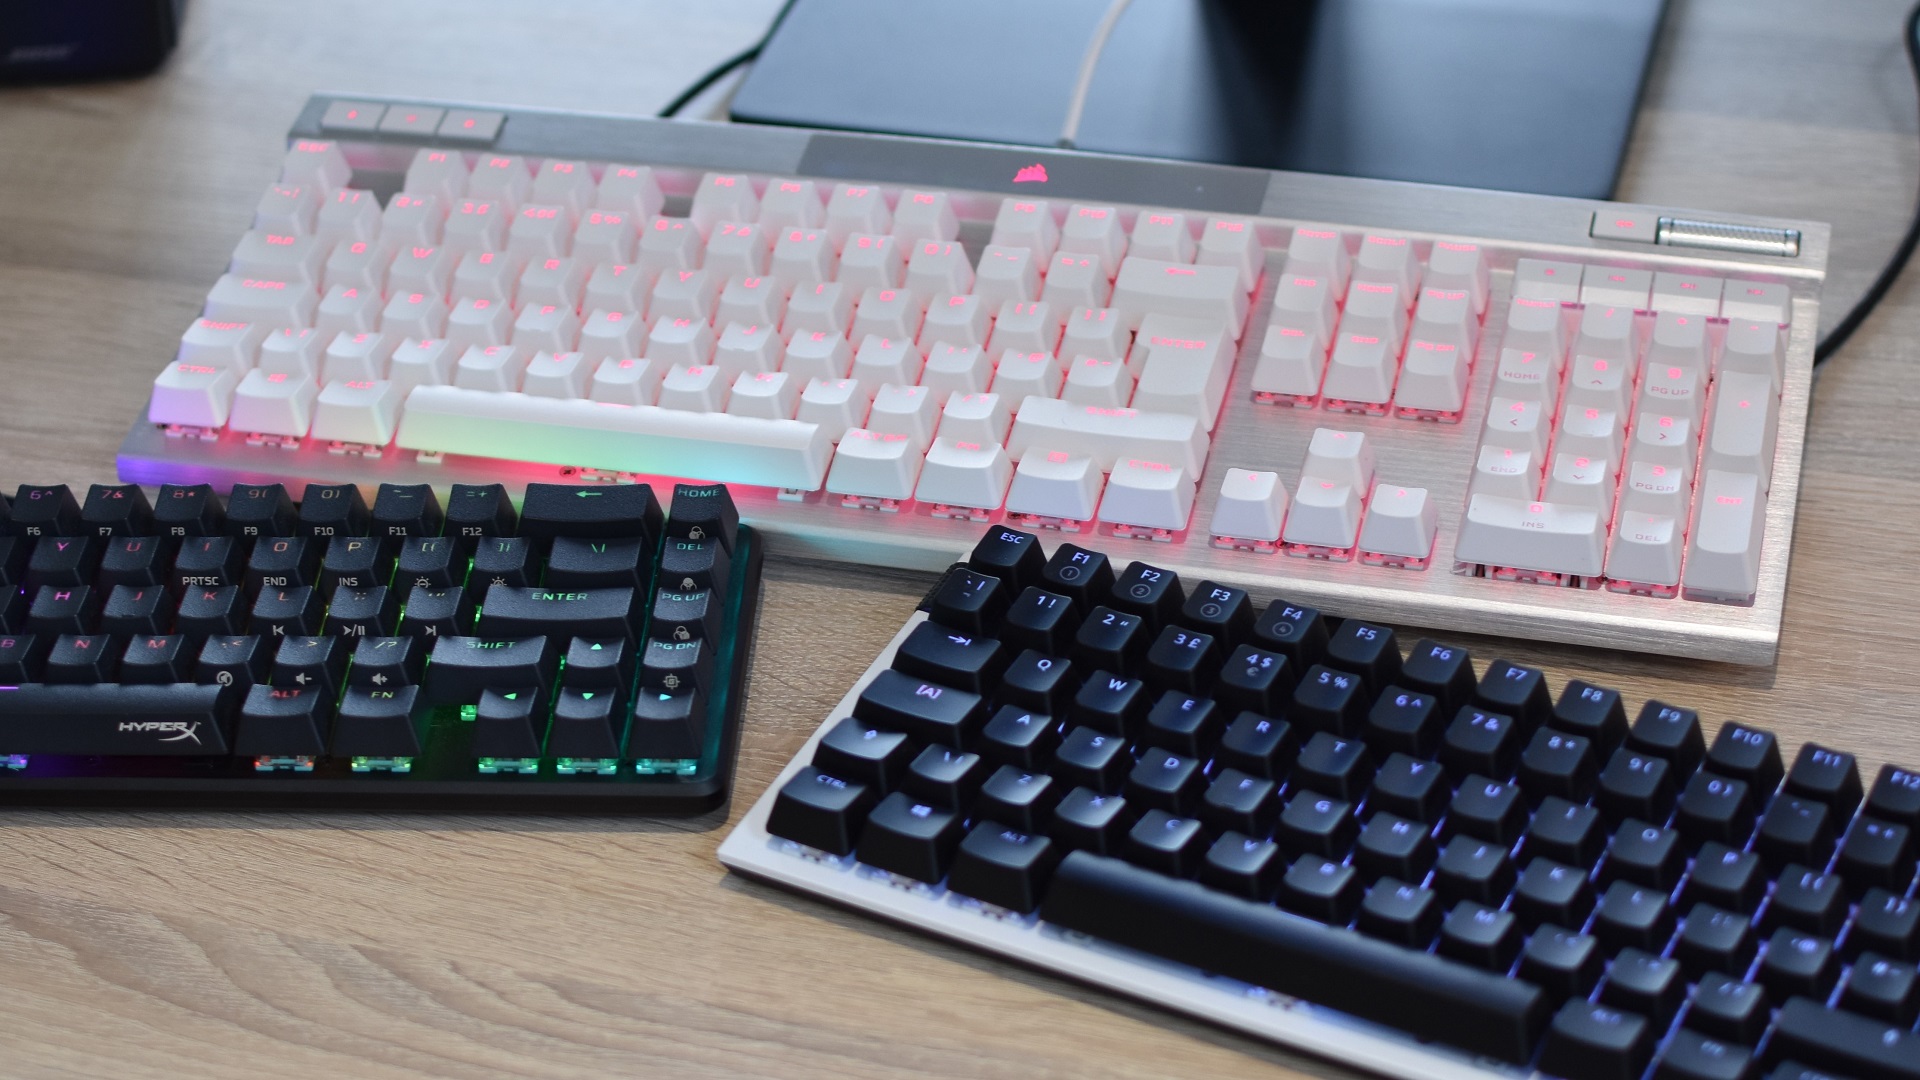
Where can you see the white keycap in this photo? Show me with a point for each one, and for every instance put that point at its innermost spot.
(889, 313)
(213, 343)
(414, 314)
(1097, 332)
(347, 309)
(1433, 378)
(859, 208)
(964, 472)
(629, 189)
(1757, 301)
(270, 302)
(1093, 381)
(587, 434)
(489, 275)
(1233, 242)
(1655, 490)
(1182, 366)
(684, 294)
(1026, 223)
(1752, 347)
(1252, 506)
(905, 410)
(630, 381)
(1076, 281)
(1505, 472)
(939, 268)
(348, 214)
(869, 261)
(1321, 254)
(420, 362)
(1325, 514)
(1025, 327)
(499, 368)
(1455, 265)
(1160, 235)
(1723, 551)
(1608, 333)
(826, 306)
(195, 395)
(1056, 484)
(954, 320)
(751, 300)
(266, 253)
(1687, 294)
(1108, 435)
(1388, 260)
(1664, 440)
(288, 208)
(437, 172)
(1679, 339)
(361, 411)
(816, 354)
(1645, 549)
(295, 352)
(1673, 390)
(474, 225)
(791, 204)
(567, 184)
(612, 286)
(558, 375)
(956, 369)
(540, 231)
(1401, 522)
(505, 178)
(1344, 457)
(1148, 495)
(1361, 369)
(360, 263)
(1578, 480)
(723, 197)
(975, 417)
(1535, 326)
(748, 348)
(1147, 285)
(1538, 536)
(923, 216)
(875, 465)
(479, 322)
(1096, 231)
(1020, 375)
(1377, 310)
(421, 269)
(771, 395)
(411, 219)
(884, 360)
(802, 257)
(1516, 424)
(1005, 274)
(679, 340)
(612, 333)
(605, 236)
(1740, 436)
(273, 404)
(553, 327)
(1611, 286)
(834, 404)
(1594, 383)
(316, 162)
(1525, 375)
(669, 244)
(1591, 432)
(737, 249)
(560, 282)
(1446, 317)
(693, 388)
(1548, 280)
(1292, 362)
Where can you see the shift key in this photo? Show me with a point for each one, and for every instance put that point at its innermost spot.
(462, 668)
(520, 611)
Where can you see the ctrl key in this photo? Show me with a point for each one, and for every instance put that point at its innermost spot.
(821, 812)
(1596, 1042)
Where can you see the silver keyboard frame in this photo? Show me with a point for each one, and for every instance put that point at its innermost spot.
(1249, 435)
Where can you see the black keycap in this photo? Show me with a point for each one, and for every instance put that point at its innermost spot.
(1549, 892)
(1109, 703)
(14, 553)
(1728, 1007)
(436, 613)
(1795, 829)
(594, 511)
(1254, 679)
(1246, 867)
(386, 662)
(1293, 630)
(1886, 923)
(950, 657)
(587, 724)
(62, 562)
(1715, 940)
(1876, 853)
(1315, 824)
(205, 613)
(1411, 788)
(1020, 737)
(284, 722)
(1807, 900)
(1004, 867)
(174, 720)
(1367, 650)
(45, 510)
(1480, 741)
(1008, 554)
(1392, 846)
(1040, 620)
(80, 658)
(1591, 712)
(117, 510)
(502, 561)
(1407, 721)
(1241, 802)
(1472, 869)
(578, 563)
(233, 660)
(1220, 610)
(460, 668)
(945, 777)
(1798, 963)
(1182, 659)
(507, 611)
(1082, 576)
(1018, 799)
(1645, 855)
(679, 616)
(1570, 833)
(282, 562)
(276, 613)
(1164, 780)
(182, 510)
(478, 510)
(1486, 810)
(1256, 744)
(21, 656)
(1564, 963)
(688, 565)
(1481, 936)
(509, 724)
(426, 562)
(1883, 989)
(677, 667)
(910, 838)
(1515, 691)
(1807, 1031)
(1167, 843)
(820, 811)
(1726, 878)
(1443, 672)
(1895, 796)
(1321, 889)
(1329, 700)
(1087, 820)
(1690, 1055)
(1557, 763)
(1333, 766)
(63, 609)
(1646, 984)
(927, 712)
(206, 562)
(134, 560)
(310, 661)
(1828, 776)
(1750, 754)
(606, 664)
(1669, 732)
(328, 510)
(1636, 784)
(970, 602)
(149, 659)
(358, 613)
(1633, 915)
(667, 727)
(137, 609)
(1110, 639)
(1714, 808)
(1149, 592)
(401, 510)
(13, 609)
(1597, 1042)
(1424, 995)
(1092, 759)
(1401, 913)
(1184, 724)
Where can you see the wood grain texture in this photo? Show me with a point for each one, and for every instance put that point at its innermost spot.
(237, 945)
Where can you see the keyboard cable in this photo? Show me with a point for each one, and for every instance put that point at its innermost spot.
(1898, 260)
(1083, 83)
(719, 71)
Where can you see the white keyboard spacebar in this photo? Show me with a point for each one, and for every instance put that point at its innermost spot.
(716, 447)
(1108, 435)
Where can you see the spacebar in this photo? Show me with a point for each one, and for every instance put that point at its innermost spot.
(716, 447)
(172, 719)
(1424, 995)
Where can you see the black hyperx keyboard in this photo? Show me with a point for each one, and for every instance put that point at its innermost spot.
(1276, 821)
(585, 651)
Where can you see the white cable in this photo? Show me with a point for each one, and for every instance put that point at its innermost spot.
(1084, 83)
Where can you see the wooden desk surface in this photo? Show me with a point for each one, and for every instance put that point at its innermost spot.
(215, 945)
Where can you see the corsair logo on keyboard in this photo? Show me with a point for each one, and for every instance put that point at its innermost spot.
(1035, 173)
(183, 729)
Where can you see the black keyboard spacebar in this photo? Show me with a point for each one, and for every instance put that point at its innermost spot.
(172, 719)
(1424, 995)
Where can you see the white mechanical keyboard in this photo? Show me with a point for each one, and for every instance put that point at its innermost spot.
(1555, 418)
